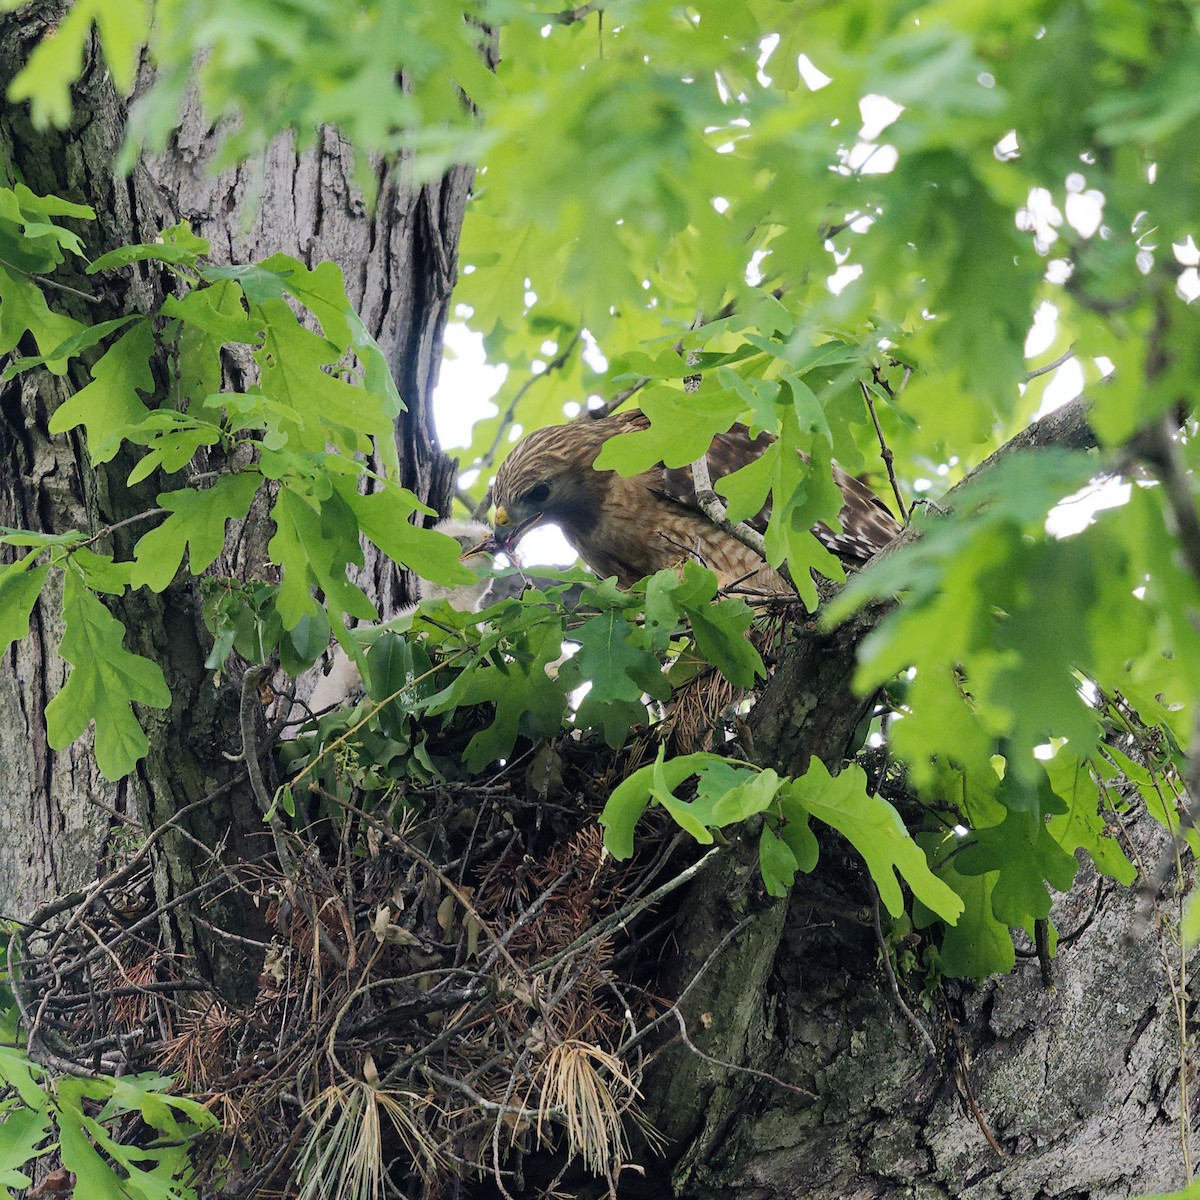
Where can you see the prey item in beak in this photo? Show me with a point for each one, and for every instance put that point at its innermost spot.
(506, 535)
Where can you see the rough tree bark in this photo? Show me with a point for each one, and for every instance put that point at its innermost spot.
(399, 259)
(1077, 1085)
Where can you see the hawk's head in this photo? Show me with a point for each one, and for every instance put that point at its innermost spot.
(549, 478)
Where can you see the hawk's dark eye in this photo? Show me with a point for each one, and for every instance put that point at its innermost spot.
(537, 494)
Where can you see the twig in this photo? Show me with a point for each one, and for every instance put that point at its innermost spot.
(964, 1078)
(885, 451)
(909, 1015)
(528, 915)
(402, 843)
(614, 402)
(555, 364)
(103, 533)
(646, 1030)
(1064, 357)
(287, 860)
(1066, 428)
(571, 15)
(602, 928)
(728, 1066)
(714, 510)
(54, 283)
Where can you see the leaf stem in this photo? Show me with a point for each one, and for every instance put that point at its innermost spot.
(54, 283)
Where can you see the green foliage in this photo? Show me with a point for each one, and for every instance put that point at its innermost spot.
(318, 418)
(449, 693)
(106, 678)
(728, 792)
(643, 167)
(44, 1116)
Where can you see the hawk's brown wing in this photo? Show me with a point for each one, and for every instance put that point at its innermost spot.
(867, 524)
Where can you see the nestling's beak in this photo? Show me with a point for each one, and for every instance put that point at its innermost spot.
(485, 548)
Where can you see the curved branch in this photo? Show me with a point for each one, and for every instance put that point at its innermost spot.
(714, 510)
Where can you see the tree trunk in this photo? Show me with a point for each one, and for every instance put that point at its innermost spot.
(1078, 1085)
(399, 259)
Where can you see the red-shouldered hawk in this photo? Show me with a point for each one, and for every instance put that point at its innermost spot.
(636, 526)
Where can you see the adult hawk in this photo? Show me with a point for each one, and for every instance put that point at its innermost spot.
(636, 526)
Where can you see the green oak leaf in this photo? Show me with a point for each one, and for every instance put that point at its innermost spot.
(196, 525)
(977, 944)
(26, 1134)
(777, 861)
(76, 344)
(1024, 856)
(110, 403)
(20, 586)
(612, 660)
(682, 427)
(629, 799)
(217, 311)
(314, 547)
(526, 699)
(661, 614)
(752, 795)
(105, 679)
(23, 308)
(721, 629)
(292, 362)
(178, 246)
(874, 829)
(172, 439)
(684, 814)
(1082, 825)
(794, 829)
(385, 519)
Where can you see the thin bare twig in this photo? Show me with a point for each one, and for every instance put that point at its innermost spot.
(1064, 357)
(572, 15)
(909, 1015)
(53, 283)
(611, 405)
(103, 533)
(734, 1067)
(602, 928)
(885, 451)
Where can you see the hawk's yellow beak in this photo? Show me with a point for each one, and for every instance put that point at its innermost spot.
(501, 516)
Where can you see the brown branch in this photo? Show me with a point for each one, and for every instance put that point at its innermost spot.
(53, 283)
(611, 405)
(1066, 428)
(628, 912)
(103, 533)
(1159, 447)
(714, 510)
(1064, 357)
